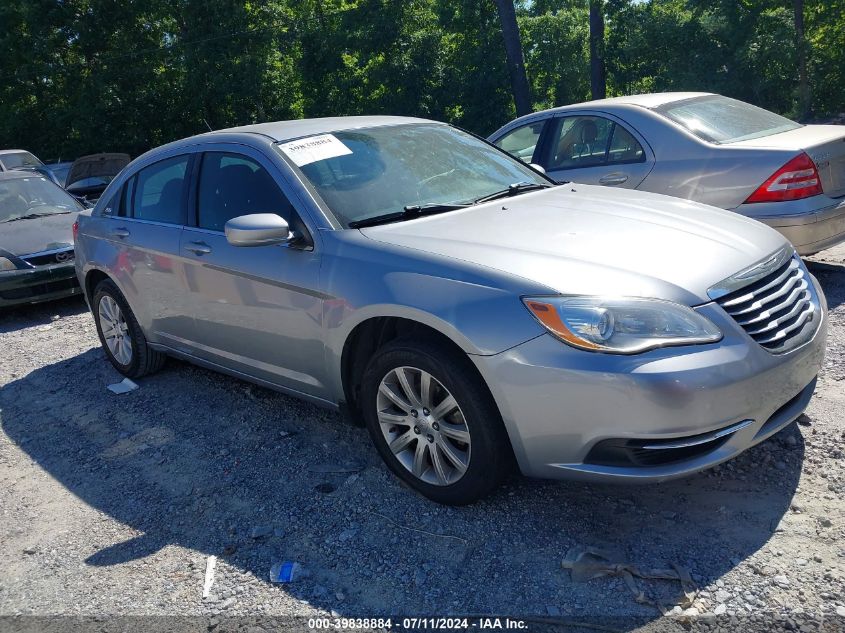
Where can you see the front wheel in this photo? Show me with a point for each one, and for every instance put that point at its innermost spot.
(434, 422)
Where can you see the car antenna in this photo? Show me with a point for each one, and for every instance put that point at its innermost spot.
(207, 125)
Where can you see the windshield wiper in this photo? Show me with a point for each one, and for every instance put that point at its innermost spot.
(408, 213)
(418, 210)
(514, 189)
(30, 216)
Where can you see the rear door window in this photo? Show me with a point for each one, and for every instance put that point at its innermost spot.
(159, 191)
(591, 141)
(121, 202)
(112, 207)
(580, 141)
(624, 148)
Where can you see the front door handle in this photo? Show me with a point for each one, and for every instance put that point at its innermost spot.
(120, 232)
(198, 248)
(615, 178)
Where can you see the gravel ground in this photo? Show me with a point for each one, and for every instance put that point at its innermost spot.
(111, 505)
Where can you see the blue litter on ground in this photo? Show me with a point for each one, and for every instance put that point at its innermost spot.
(283, 572)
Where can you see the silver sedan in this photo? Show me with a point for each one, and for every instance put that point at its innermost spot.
(470, 312)
(701, 147)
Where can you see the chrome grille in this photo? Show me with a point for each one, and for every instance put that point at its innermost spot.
(775, 309)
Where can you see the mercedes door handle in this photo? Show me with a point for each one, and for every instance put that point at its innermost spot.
(198, 248)
(613, 179)
(121, 233)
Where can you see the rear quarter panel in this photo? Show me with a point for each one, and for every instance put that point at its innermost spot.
(687, 167)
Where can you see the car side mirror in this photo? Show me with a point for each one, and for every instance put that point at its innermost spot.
(537, 167)
(258, 229)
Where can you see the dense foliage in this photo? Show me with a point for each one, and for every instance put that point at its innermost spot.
(78, 76)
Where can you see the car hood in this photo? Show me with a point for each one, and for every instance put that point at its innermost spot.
(582, 239)
(47, 233)
(105, 166)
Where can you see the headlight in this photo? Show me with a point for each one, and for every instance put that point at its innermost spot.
(621, 325)
(7, 264)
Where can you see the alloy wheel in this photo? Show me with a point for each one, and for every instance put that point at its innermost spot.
(423, 426)
(115, 330)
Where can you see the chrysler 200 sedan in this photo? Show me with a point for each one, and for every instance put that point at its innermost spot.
(471, 312)
(701, 147)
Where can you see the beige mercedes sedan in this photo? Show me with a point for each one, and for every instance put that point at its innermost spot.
(701, 147)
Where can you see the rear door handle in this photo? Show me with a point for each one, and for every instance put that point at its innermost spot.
(120, 232)
(198, 248)
(613, 179)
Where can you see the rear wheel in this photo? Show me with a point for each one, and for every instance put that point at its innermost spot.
(434, 422)
(121, 335)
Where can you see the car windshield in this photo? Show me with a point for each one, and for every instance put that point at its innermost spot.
(721, 120)
(32, 197)
(16, 160)
(370, 172)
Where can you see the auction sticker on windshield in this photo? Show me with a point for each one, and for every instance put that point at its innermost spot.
(314, 148)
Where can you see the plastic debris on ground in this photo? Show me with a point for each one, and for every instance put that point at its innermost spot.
(285, 572)
(587, 563)
(260, 532)
(124, 386)
(210, 564)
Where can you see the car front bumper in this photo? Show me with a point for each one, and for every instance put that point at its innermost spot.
(811, 224)
(569, 413)
(42, 283)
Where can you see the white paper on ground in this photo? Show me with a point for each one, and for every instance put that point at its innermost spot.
(210, 564)
(124, 386)
(314, 148)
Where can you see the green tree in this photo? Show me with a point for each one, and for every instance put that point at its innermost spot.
(79, 76)
(825, 30)
(555, 38)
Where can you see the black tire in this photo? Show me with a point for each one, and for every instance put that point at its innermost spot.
(491, 458)
(144, 360)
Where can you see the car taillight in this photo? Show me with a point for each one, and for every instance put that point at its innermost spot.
(798, 179)
(75, 230)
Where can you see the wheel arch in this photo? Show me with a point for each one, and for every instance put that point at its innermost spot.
(369, 336)
(92, 279)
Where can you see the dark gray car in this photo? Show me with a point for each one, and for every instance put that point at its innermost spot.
(470, 312)
(36, 239)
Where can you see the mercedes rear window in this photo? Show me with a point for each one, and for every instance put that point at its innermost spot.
(718, 119)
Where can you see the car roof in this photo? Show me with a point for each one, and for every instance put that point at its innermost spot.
(14, 151)
(287, 130)
(649, 100)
